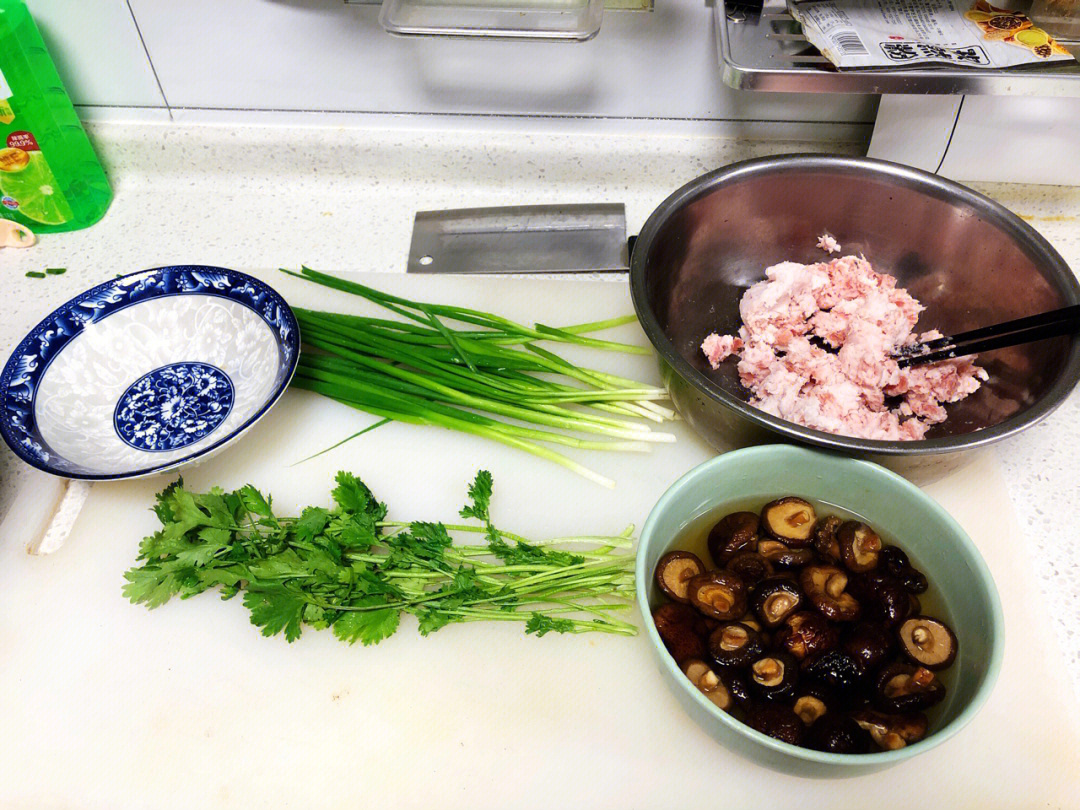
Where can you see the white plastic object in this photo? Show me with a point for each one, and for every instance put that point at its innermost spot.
(44, 512)
(12, 234)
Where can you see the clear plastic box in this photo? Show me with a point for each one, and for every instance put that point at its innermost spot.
(572, 20)
(1060, 18)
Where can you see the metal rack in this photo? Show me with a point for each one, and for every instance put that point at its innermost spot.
(763, 48)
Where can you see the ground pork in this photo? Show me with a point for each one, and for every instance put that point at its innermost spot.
(828, 243)
(816, 349)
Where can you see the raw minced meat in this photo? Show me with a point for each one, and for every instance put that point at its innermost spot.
(828, 243)
(719, 348)
(816, 349)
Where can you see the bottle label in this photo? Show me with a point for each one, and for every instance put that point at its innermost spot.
(27, 184)
(7, 115)
(23, 140)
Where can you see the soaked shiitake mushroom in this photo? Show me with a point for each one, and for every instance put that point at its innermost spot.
(871, 644)
(708, 683)
(915, 606)
(733, 533)
(806, 634)
(836, 670)
(809, 708)
(784, 555)
(825, 586)
(895, 562)
(778, 721)
(719, 594)
(774, 599)
(733, 644)
(890, 731)
(773, 677)
(839, 734)
(751, 620)
(750, 567)
(677, 625)
(675, 570)
(790, 520)
(737, 686)
(808, 687)
(902, 687)
(928, 642)
(882, 596)
(860, 546)
(824, 538)
(914, 581)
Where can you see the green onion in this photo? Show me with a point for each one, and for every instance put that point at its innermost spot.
(477, 373)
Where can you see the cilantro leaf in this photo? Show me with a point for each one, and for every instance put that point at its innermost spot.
(526, 554)
(355, 533)
(464, 579)
(274, 611)
(186, 514)
(150, 586)
(198, 556)
(427, 540)
(479, 498)
(161, 545)
(353, 496)
(367, 626)
(215, 536)
(257, 504)
(312, 521)
(432, 620)
(162, 506)
(541, 624)
(286, 565)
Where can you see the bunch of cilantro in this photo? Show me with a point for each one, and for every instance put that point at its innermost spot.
(350, 569)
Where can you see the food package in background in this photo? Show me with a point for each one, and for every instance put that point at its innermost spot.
(902, 33)
(1060, 17)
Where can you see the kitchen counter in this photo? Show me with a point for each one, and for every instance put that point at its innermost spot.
(344, 199)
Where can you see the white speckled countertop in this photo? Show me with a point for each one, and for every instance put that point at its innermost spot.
(344, 200)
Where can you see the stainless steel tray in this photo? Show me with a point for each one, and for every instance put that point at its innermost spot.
(763, 48)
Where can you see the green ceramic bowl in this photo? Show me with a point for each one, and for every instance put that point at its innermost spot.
(961, 589)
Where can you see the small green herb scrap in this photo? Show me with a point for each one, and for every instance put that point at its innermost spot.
(540, 624)
(56, 271)
(34, 274)
(349, 569)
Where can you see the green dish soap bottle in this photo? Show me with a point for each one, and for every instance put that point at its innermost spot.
(50, 178)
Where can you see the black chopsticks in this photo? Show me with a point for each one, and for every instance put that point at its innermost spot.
(987, 338)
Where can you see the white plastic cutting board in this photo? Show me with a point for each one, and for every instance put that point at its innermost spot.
(106, 705)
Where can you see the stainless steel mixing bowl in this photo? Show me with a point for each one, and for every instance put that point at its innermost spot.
(970, 261)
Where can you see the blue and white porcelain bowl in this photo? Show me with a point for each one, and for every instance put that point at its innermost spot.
(147, 371)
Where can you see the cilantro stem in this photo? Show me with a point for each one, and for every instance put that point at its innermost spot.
(615, 541)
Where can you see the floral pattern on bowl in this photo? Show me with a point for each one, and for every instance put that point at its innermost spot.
(71, 389)
(174, 406)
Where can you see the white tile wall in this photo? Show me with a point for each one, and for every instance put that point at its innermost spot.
(97, 52)
(1016, 140)
(999, 139)
(324, 55)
